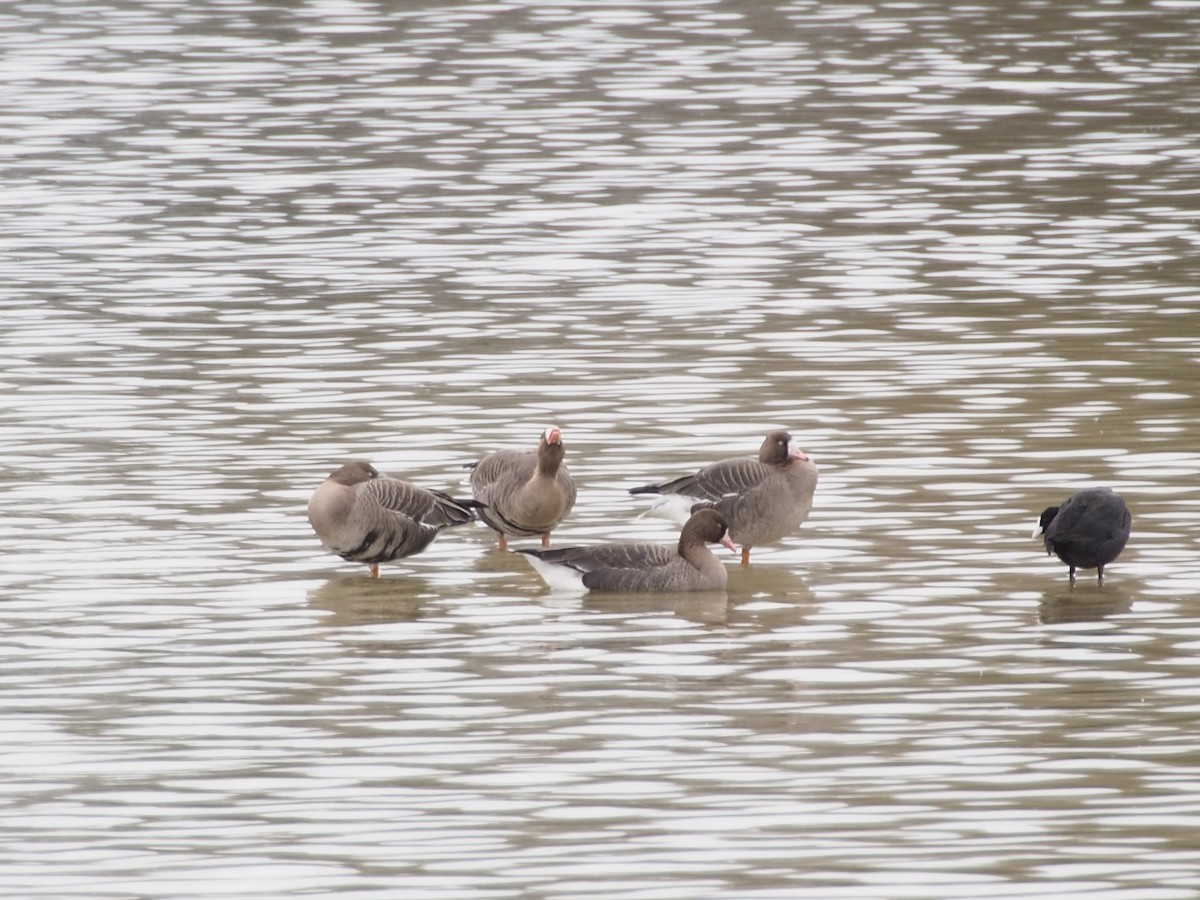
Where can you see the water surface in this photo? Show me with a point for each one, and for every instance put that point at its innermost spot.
(952, 248)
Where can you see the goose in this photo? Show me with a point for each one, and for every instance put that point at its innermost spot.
(524, 492)
(762, 499)
(1087, 531)
(686, 566)
(366, 517)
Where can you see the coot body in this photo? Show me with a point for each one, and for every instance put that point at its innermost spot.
(1088, 530)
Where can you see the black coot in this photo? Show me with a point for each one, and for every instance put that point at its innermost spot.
(1088, 531)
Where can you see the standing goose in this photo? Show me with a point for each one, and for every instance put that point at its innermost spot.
(525, 492)
(686, 566)
(366, 517)
(762, 499)
(1088, 531)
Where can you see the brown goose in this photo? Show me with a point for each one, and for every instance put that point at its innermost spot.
(525, 492)
(366, 517)
(762, 499)
(687, 566)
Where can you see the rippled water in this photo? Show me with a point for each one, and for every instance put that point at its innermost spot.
(951, 247)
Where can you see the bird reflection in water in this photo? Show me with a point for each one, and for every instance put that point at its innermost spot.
(360, 599)
(1063, 606)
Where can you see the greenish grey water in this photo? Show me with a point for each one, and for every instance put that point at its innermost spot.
(952, 248)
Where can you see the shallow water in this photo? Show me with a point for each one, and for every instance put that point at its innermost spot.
(951, 248)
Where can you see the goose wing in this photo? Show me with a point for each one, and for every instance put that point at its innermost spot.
(730, 477)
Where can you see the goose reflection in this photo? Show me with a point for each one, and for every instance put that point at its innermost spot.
(777, 584)
(702, 607)
(359, 600)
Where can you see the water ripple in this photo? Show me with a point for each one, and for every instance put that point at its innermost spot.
(949, 248)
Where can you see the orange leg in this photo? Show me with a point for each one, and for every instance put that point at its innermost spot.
(503, 543)
(375, 571)
(546, 539)
(745, 556)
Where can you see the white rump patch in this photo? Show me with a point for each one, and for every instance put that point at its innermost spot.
(673, 507)
(560, 579)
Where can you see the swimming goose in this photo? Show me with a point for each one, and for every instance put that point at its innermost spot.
(686, 566)
(1088, 531)
(525, 492)
(366, 517)
(762, 499)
